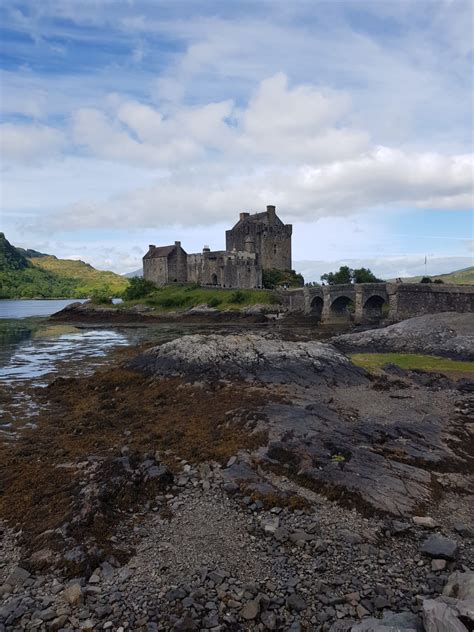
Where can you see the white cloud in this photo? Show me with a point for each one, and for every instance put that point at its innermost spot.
(29, 143)
(381, 178)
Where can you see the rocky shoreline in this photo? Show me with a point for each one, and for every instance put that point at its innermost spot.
(92, 313)
(241, 482)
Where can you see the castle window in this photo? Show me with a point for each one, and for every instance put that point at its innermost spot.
(274, 249)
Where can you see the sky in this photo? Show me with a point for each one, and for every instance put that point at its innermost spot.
(129, 122)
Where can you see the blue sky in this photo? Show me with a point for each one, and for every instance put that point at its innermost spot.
(128, 122)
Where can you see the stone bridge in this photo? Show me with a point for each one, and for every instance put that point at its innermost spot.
(371, 302)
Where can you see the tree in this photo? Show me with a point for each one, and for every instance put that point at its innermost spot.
(348, 275)
(364, 275)
(426, 280)
(273, 278)
(138, 288)
(343, 275)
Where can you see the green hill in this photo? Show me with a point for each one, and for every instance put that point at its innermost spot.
(45, 276)
(460, 277)
(88, 278)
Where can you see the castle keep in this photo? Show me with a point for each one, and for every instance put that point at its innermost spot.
(257, 242)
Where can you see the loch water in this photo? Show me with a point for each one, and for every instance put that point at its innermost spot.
(34, 351)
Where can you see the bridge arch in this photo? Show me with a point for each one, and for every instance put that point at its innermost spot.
(316, 307)
(374, 307)
(342, 307)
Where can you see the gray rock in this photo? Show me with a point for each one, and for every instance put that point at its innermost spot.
(460, 585)
(295, 602)
(438, 616)
(438, 546)
(249, 356)
(448, 334)
(17, 577)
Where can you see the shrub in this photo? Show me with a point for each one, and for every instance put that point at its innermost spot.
(237, 297)
(138, 288)
(215, 301)
(438, 281)
(101, 297)
(426, 280)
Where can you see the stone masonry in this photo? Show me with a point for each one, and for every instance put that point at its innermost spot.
(257, 242)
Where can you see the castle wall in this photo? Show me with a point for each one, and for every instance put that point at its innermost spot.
(272, 241)
(177, 266)
(156, 270)
(275, 247)
(224, 269)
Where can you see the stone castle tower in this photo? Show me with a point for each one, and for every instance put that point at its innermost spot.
(266, 235)
(259, 241)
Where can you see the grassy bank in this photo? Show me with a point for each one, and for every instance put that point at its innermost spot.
(376, 361)
(183, 297)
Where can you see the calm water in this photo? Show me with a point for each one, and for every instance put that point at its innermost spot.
(28, 309)
(34, 351)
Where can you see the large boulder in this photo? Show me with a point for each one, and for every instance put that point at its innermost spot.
(447, 334)
(251, 357)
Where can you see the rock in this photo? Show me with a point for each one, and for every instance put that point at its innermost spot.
(460, 585)
(58, 623)
(438, 565)
(390, 622)
(269, 620)
(464, 530)
(250, 610)
(424, 521)
(295, 602)
(249, 356)
(438, 616)
(400, 528)
(437, 546)
(270, 525)
(72, 594)
(447, 334)
(17, 577)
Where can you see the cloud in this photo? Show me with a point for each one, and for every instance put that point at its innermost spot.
(139, 134)
(29, 143)
(380, 179)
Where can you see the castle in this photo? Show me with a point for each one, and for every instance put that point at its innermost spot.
(259, 241)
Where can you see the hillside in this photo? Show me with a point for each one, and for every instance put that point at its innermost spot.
(461, 277)
(89, 279)
(45, 276)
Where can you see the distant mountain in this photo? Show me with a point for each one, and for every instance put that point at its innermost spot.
(460, 277)
(45, 276)
(136, 273)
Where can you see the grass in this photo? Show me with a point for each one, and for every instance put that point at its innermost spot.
(461, 277)
(376, 361)
(183, 297)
